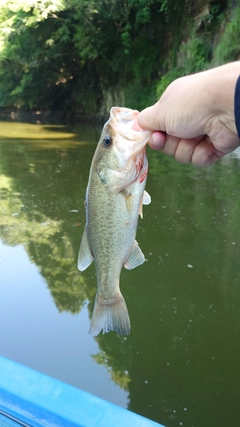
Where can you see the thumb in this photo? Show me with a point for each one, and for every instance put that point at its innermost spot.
(150, 119)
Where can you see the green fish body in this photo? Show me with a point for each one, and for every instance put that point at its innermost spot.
(114, 198)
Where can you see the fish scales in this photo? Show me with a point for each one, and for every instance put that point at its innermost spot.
(114, 198)
(111, 238)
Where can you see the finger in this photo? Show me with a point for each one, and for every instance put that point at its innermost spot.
(157, 140)
(171, 144)
(205, 154)
(185, 149)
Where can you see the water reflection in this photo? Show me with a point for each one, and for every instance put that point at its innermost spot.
(35, 334)
(180, 364)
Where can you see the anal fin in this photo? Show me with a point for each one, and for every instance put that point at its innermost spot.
(135, 258)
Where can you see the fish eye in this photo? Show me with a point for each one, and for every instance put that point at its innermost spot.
(107, 141)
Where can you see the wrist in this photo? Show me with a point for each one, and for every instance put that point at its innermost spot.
(220, 90)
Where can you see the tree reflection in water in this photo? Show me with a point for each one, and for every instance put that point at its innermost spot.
(184, 303)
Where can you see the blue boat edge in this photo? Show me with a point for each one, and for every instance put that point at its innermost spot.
(35, 399)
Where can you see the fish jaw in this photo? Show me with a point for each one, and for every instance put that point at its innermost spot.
(130, 139)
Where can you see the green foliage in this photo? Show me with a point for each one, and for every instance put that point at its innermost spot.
(138, 96)
(194, 50)
(228, 48)
(67, 54)
(198, 54)
(166, 79)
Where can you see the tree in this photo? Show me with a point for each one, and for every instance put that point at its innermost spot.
(65, 54)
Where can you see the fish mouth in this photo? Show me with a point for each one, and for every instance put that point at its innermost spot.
(131, 138)
(123, 117)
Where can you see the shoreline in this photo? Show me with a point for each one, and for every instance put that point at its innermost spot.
(45, 117)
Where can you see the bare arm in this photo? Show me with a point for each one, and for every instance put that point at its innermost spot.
(194, 118)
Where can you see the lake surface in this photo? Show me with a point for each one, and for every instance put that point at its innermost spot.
(180, 366)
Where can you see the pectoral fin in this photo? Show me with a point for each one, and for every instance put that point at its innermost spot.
(85, 257)
(135, 258)
(146, 199)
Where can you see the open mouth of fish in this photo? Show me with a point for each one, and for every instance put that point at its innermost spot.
(124, 121)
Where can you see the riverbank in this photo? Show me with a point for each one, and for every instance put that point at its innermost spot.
(126, 55)
(51, 117)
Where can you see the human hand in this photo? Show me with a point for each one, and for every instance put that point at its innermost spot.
(194, 118)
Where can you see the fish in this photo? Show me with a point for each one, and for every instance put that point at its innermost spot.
(114, 199)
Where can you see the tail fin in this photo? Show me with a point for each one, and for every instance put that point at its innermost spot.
(110, 315)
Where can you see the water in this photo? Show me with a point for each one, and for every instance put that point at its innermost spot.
(180, 364)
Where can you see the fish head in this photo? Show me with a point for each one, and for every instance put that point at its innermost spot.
(130, 139)
(121, 150)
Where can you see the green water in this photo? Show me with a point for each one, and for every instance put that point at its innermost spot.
(180, 365)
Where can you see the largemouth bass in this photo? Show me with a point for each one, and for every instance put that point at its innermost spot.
(114, 198)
